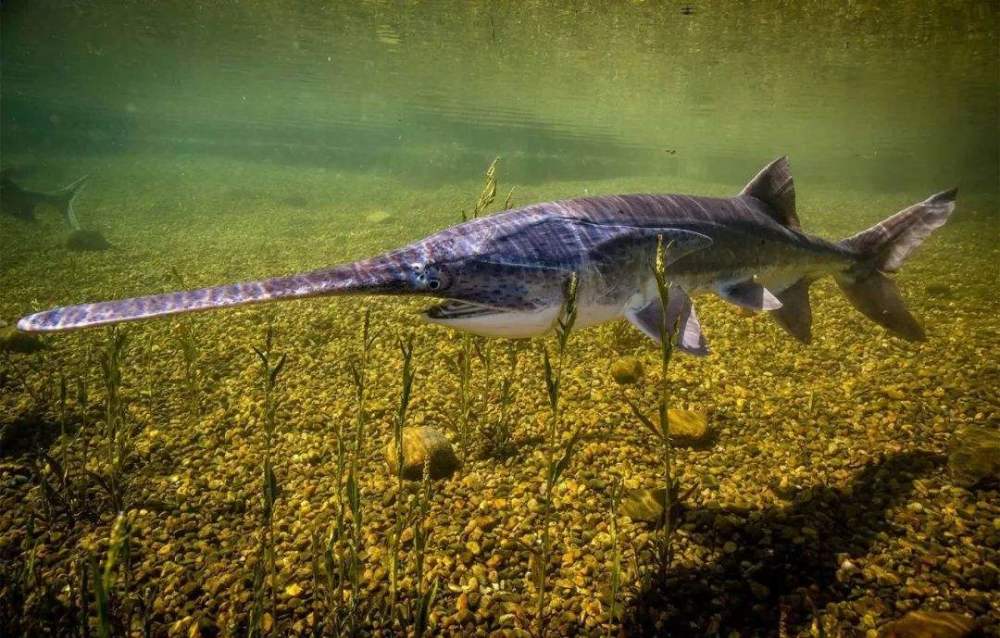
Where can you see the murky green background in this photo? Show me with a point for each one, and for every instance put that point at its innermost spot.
(861, 95)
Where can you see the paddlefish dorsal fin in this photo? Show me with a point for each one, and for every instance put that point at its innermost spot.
(773, 185)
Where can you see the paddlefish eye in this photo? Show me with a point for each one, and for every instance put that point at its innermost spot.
(429, 277)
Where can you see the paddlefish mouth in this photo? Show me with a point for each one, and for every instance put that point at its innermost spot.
(453, 309)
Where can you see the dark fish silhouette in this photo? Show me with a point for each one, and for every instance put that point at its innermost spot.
(504, 275)
(21, 203)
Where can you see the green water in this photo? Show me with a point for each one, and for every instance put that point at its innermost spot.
(228, 141)
(861, 97)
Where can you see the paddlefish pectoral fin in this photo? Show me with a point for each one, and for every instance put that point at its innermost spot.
(647, 316)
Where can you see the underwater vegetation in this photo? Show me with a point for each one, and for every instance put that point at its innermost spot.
(324, 468)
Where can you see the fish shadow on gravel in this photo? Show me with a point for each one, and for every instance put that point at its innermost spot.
(775, 566)
(26, 433)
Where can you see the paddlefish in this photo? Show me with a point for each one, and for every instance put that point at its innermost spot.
(21, 203)
(505, 275)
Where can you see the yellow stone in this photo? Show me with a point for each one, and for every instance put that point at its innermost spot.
(929, 624)
(420, 445)
(688, 424)
(377, 216)
(894, 393)
(626, 371)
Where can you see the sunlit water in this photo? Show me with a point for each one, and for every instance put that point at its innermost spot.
(863, 97)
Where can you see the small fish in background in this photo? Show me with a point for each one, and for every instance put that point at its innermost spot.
(21, 203)
(505, 275)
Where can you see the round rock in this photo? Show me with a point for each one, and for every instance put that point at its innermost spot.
(423, 445)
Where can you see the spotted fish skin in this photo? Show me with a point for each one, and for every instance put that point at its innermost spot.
(505, 275)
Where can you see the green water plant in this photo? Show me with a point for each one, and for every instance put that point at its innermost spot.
(660, 427)
(83, 438)
(188, 345)
(328, 579)
(463, 368)
(484, 352)
(357, 366)
(423, 599)
(63, 391)
(336, 563)
(57, 492)
(338, 555)
(149, 392)
(118, 432)
(487, 194)
(508, 201)
(498, 430)
(559, 448)
(111, 579)
(355, 547)
(264, 568)
(469, 344)
(395, 535)
(615, 580)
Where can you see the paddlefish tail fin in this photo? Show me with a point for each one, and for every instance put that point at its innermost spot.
(882, 249)
(63, 200)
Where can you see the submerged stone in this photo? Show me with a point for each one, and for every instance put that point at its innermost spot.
(644, 505)
(423, 445)
(13, 340)
(626, 371)
(939, 290)
(974, 455)
(85, 240)
(377, 216)
(688, 425)
(929, 624)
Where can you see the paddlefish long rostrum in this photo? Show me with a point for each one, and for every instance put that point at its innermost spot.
(504, 275)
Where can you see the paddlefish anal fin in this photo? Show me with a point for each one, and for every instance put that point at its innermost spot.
(648, 318)
(795, 314)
